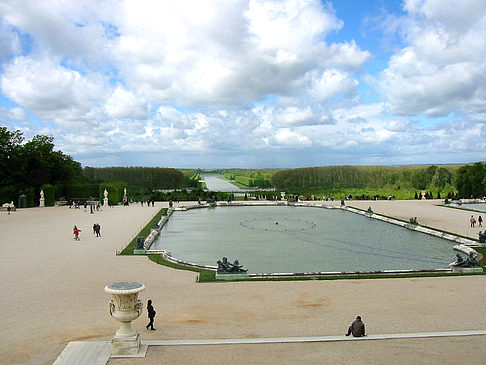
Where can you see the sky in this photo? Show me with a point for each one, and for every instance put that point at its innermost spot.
(247, 83)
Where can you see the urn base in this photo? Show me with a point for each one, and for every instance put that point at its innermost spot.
(126, 346)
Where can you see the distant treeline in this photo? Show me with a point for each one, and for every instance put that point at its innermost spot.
(374, 177)
(140, 177)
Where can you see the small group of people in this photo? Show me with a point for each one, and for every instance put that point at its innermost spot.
(472, 221)
(97, 229)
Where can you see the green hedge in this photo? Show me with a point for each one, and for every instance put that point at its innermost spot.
(49, 194)
(115, 191)
(9, 194)
(251, 182)
(77, 191)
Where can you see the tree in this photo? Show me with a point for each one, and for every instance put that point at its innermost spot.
(34, 163)
(471, 180)
(10, 146)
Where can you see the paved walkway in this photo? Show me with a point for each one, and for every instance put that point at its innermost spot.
(98, 353)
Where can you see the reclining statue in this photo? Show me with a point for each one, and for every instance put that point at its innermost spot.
(413, 220)
(470, 261)
(225, 267)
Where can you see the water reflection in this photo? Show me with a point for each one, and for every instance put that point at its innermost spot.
(297, 239)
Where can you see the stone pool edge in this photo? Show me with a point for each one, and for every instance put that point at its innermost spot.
(464, 245)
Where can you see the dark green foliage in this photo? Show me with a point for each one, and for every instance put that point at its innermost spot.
(361, 177)
(115, 191)
(49, 194)
(252, 182)
(8, 194)
(471, 180)
(34, 163)
(10, 156)
(78, 192)
(150, 178)
(29, 200)
(182, 195)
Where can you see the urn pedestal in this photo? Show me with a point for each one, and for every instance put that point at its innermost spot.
(125, 307)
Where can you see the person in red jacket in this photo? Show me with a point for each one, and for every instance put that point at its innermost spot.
(76, 231)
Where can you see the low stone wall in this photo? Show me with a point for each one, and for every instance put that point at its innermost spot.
(4, 209)
(149, 240)
(167, 255)
(465, 250)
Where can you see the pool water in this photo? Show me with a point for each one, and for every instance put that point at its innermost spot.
(299, 239)
(480, 207)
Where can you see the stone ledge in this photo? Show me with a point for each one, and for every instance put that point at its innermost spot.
(231, 276)
(242, 341)
(467, 269)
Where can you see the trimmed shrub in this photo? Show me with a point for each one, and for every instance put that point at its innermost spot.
(49, 194)
(115, 191)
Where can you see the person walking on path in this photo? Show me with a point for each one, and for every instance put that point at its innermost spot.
(76, 231)
(357, 328)
(151, 314)
(472, 221)
(98, 230)
(9, 209)
(480, 221)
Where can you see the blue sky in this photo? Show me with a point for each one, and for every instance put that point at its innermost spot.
(255, 83)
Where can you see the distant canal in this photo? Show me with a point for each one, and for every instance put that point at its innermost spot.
(298, 239)
(214, 183)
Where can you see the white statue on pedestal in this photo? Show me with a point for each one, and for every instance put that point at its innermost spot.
(105, 200)
(41, 200)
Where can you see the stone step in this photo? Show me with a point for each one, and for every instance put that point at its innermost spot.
(310, 339)
(99, 352)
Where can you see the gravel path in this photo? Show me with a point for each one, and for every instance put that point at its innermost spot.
(53, 293)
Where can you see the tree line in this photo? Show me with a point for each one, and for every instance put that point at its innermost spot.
(373, 177)
(150, 178)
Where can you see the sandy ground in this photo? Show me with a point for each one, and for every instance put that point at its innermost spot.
(53, 293)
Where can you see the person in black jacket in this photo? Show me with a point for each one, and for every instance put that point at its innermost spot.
(151, 314)
(357, 328)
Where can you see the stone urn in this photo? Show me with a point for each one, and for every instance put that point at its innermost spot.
(125, 307)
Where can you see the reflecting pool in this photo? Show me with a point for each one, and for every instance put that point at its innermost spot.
(480, 207)
(299, 239)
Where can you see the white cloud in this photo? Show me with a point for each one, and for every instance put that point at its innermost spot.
(51, 91)
(229, 53)
(288, 138)
(442, 70)
(243, 77)
(9, 41)
(332, 83)
(126, 105)
(294, 116)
